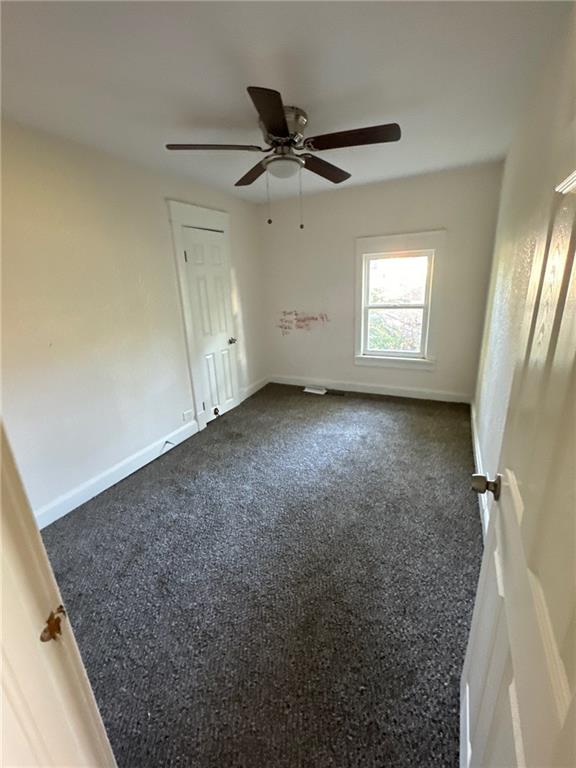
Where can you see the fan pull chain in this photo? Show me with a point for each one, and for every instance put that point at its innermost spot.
(268, 198)
(300, 198)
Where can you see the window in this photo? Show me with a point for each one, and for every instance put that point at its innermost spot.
(394, 285)
(395, 303)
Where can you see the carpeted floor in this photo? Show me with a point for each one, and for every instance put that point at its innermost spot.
(291, 588)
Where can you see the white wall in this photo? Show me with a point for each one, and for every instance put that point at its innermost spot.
(313, 271)
(543, 153)
(94, 366)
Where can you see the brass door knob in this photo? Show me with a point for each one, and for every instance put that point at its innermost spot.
(53, 629)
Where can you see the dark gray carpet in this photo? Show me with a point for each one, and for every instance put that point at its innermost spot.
(291, 588)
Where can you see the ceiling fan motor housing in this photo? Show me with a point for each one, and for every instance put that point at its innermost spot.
(297, 121)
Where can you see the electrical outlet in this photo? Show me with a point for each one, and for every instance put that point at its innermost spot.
(187, 415)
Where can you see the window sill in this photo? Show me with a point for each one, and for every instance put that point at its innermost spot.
(420, 363)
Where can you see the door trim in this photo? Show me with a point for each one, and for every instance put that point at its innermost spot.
(195, 217)
(190, 215)
(485, 504)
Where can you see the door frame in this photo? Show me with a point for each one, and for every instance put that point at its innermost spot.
(180, 215)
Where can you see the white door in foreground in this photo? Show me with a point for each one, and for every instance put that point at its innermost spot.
(214, 345)
(518, 705)
(49, 715)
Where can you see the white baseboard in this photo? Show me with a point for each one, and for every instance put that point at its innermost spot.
(479, 464)
(375, 389)
(86, 491)
(67, 502)
(251, 389)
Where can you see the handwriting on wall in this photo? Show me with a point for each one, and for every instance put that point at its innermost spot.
(292, 320)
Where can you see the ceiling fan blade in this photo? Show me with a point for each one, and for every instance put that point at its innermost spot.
(247, 147)
(252, 175)
(269, 106)
(327, 170)
(376, 134)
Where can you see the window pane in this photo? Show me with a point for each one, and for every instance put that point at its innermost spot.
(399, 280)
(394, 330)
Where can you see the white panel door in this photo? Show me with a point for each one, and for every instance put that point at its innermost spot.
(519, 679)
(49, 715)
(214, 348)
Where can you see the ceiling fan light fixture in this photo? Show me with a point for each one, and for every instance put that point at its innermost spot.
(283, 166)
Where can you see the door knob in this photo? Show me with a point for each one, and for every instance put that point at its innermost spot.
(53, 630)
(481, 484)
(232, 340)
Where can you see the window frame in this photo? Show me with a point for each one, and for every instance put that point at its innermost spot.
(427, 244)
(368, 258)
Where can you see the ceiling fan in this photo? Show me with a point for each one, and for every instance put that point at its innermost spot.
(283, 130)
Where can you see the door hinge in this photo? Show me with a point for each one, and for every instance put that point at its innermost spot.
(53, 629)
(481, 484)
(185, 257)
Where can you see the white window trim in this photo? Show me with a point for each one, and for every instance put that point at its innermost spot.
(430, 243)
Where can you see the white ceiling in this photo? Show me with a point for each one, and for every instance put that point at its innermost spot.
(130, 76)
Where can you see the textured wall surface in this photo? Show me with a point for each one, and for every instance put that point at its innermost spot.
(542, 155)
